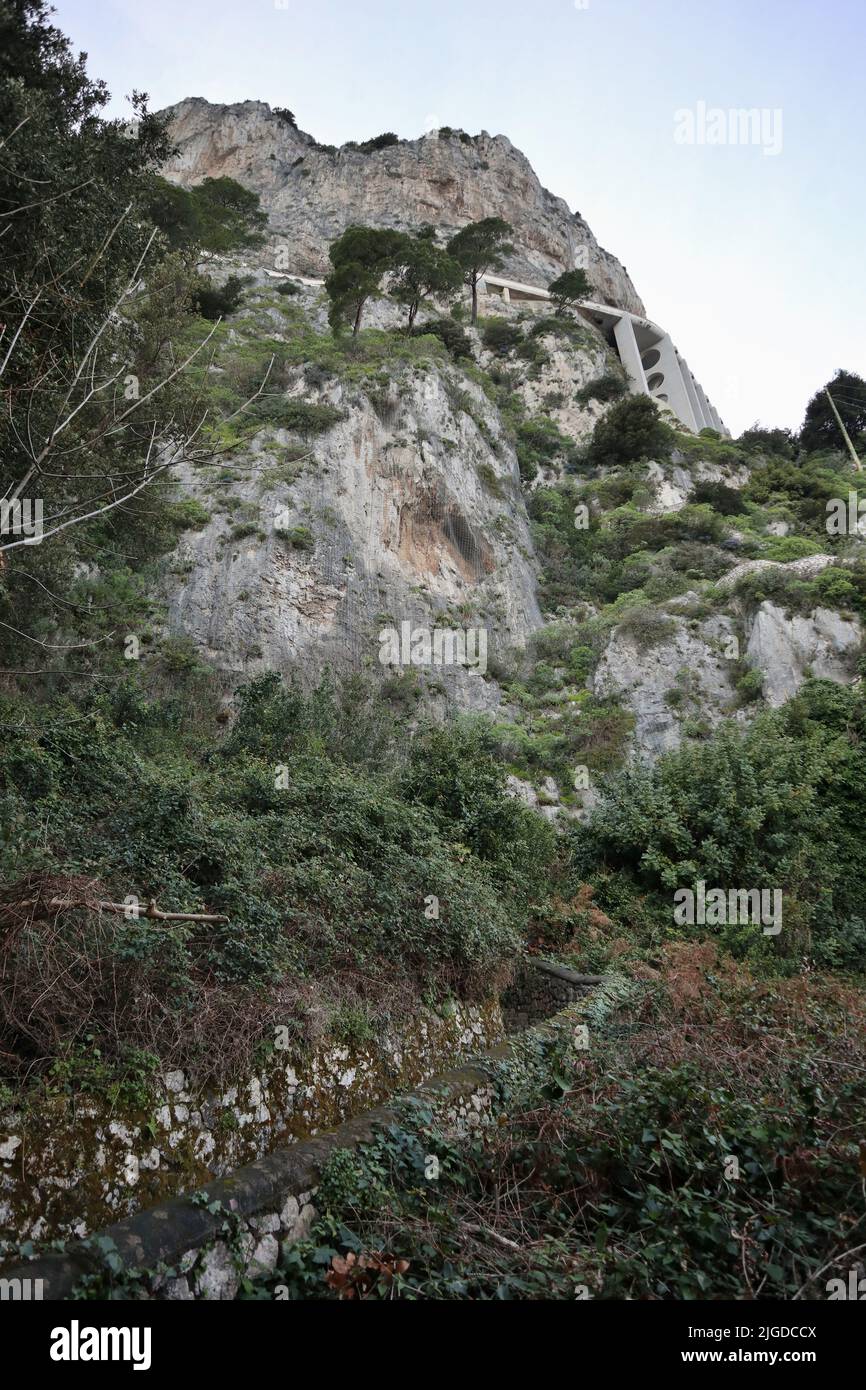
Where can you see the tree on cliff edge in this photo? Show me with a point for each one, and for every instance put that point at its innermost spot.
(423, 270)
(360, 258)
(569, 289)
(478, 248)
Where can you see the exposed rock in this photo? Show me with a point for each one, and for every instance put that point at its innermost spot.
(217, 1277)
(548, 792)
(409, 516)
(644, 679)
(675, 483)
(671, 492)
(296, 1219)
(177, 1290)
(410, 509)
(263, 1260)
(130, 1169)
(289, 1215)
(732, 475)
(521, 791)
(805, 568)
(80, 1165)
(265, 1225)
(784, 649)
(553, 391)
(312, 194)
(688, 674)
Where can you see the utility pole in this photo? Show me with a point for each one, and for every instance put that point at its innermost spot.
(845, 435)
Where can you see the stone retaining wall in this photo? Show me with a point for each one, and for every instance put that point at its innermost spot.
(201, 1249)
(541, 988)
(69, 1167)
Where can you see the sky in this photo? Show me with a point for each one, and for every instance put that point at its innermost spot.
(746, 247)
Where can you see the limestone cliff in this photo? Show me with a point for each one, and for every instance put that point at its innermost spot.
(688, 679)
(443, 493)
(408, 508)
(312, 192)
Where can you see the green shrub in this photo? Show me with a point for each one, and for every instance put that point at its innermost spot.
(631, 430)
(532, 350)
(610, 386)
(217, 215)
(842, 586)
(763, 441)
(701, 560)
(402, 690)
(563, 326)
(300, 417)
(541, 442)
(299, 537)
(188, 514)
(750, 686)
(450, 333)
(214, 301)
(178, 653)
(454, 774)
(786, 548)
(836, 588)
(501, 335)
(323, 874)
(778, 805)
(725, 500)
(621, 1183)
(491, 479)
(242, 529)
(804, 488)
(646, 626)
(378, 142)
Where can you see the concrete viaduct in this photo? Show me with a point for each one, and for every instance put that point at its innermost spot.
(647, 353)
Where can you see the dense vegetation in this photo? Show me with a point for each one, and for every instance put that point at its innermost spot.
(704, 1146)
(322, 864)
(786, 809)
(413, 267)
(98, 306)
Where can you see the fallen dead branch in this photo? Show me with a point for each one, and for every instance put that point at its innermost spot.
(127, 909)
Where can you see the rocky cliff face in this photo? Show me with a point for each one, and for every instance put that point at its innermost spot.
(407, 509)
(443, 494)
(686, 680)
(312, 193)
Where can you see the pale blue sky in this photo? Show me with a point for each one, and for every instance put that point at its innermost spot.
(752, 262)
